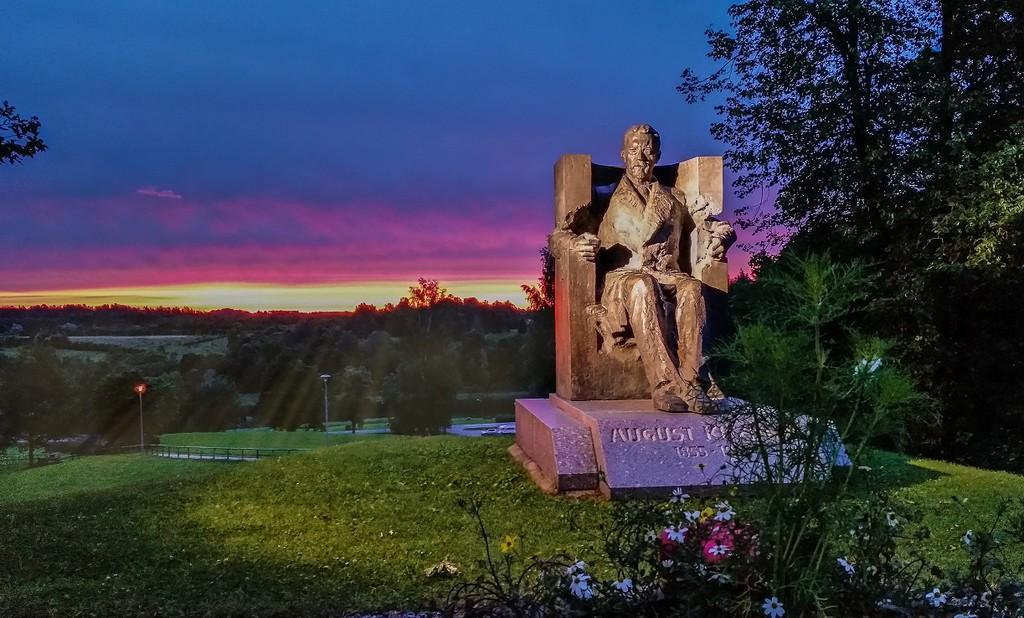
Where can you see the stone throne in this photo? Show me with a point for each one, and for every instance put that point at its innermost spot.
(599, 430)
(582, 191)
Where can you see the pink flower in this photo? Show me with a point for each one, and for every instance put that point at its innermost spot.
(719, 545)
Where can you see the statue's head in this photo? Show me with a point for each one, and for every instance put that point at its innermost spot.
(641, 149)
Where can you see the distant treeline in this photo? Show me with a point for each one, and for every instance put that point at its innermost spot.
(417, 362)
(125, 320)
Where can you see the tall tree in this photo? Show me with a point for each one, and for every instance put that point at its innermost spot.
(34, 397)
(818, 104)
(893, 133)
(542, 294)
(352, 401)
(427, 293)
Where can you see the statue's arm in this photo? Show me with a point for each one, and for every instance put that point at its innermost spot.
(563, 243)
(720, 236)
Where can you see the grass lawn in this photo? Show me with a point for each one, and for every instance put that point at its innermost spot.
(345, 528)
(930, 485)
(89, 475)
(349, 527)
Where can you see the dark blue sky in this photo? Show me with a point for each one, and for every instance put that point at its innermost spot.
(268, 126)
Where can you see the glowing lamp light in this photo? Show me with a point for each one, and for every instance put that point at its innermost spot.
(140, 388)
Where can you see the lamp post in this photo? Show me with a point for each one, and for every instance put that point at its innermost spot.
(141, 388)
(324, 377)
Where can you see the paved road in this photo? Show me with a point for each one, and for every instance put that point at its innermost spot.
(474, 430)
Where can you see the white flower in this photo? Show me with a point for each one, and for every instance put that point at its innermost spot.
(718, 550)
(651, 536)
(692, 516)
(578, 567)
(869, 365)
(700, 568)
(968, 538)
(725, 512)
(668, 563)
(624, 586)
(773, 608)
(580, 586)
(843, 562)
(676, 534)
(891, 519)
(678, 495)
(936, 598)
(721, 578)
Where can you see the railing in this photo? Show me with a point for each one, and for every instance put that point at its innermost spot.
(216, 453)
(41, 458)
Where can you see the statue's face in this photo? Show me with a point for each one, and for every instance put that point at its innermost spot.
(640, 153)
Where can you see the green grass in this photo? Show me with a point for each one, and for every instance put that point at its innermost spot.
(88, 475)
(339, 529)
(930, 486)
(263, 438)
(351, 527)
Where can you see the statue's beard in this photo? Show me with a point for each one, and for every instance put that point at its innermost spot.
(640, 173)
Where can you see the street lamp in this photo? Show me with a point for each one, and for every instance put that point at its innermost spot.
(141, 388)
(324, 377)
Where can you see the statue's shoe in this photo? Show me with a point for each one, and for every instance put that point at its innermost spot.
(667, 400)
(701, 403)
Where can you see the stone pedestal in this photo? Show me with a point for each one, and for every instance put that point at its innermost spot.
(626, 448)
(621, 448)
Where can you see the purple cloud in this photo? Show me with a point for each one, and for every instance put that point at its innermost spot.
(165, 194)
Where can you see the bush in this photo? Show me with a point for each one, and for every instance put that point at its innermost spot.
(817, 393)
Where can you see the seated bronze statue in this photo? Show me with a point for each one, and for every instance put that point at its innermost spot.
(651, 306)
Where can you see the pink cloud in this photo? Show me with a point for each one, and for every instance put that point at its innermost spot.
(166, 194)
(263, 240)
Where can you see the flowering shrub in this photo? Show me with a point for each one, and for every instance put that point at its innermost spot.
(812, 540)
(692, 557)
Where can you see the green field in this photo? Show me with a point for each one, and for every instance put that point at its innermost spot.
(346, 528)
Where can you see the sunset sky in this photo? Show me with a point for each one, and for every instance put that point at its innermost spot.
(278, 155)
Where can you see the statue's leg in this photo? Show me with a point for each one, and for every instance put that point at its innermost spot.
(643, 307)
(691, 318)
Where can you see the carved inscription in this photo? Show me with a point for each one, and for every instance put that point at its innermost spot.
(714, 432)
(690, 451)
(652, 434)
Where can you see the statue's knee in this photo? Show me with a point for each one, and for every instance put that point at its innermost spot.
(689, 291)
(642, 285)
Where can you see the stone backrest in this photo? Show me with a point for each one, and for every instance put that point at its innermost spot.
(582, 193)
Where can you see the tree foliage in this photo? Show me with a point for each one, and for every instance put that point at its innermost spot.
(427, 293)
(541, 295)
(33, 397)
(352, 401)
(892, 133)
(19, 136)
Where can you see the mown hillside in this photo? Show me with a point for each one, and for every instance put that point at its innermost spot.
(343, 528)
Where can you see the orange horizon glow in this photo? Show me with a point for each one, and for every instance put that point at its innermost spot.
(263, 296)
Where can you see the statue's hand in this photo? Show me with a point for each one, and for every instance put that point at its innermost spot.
(586, 245)
(716, 248)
